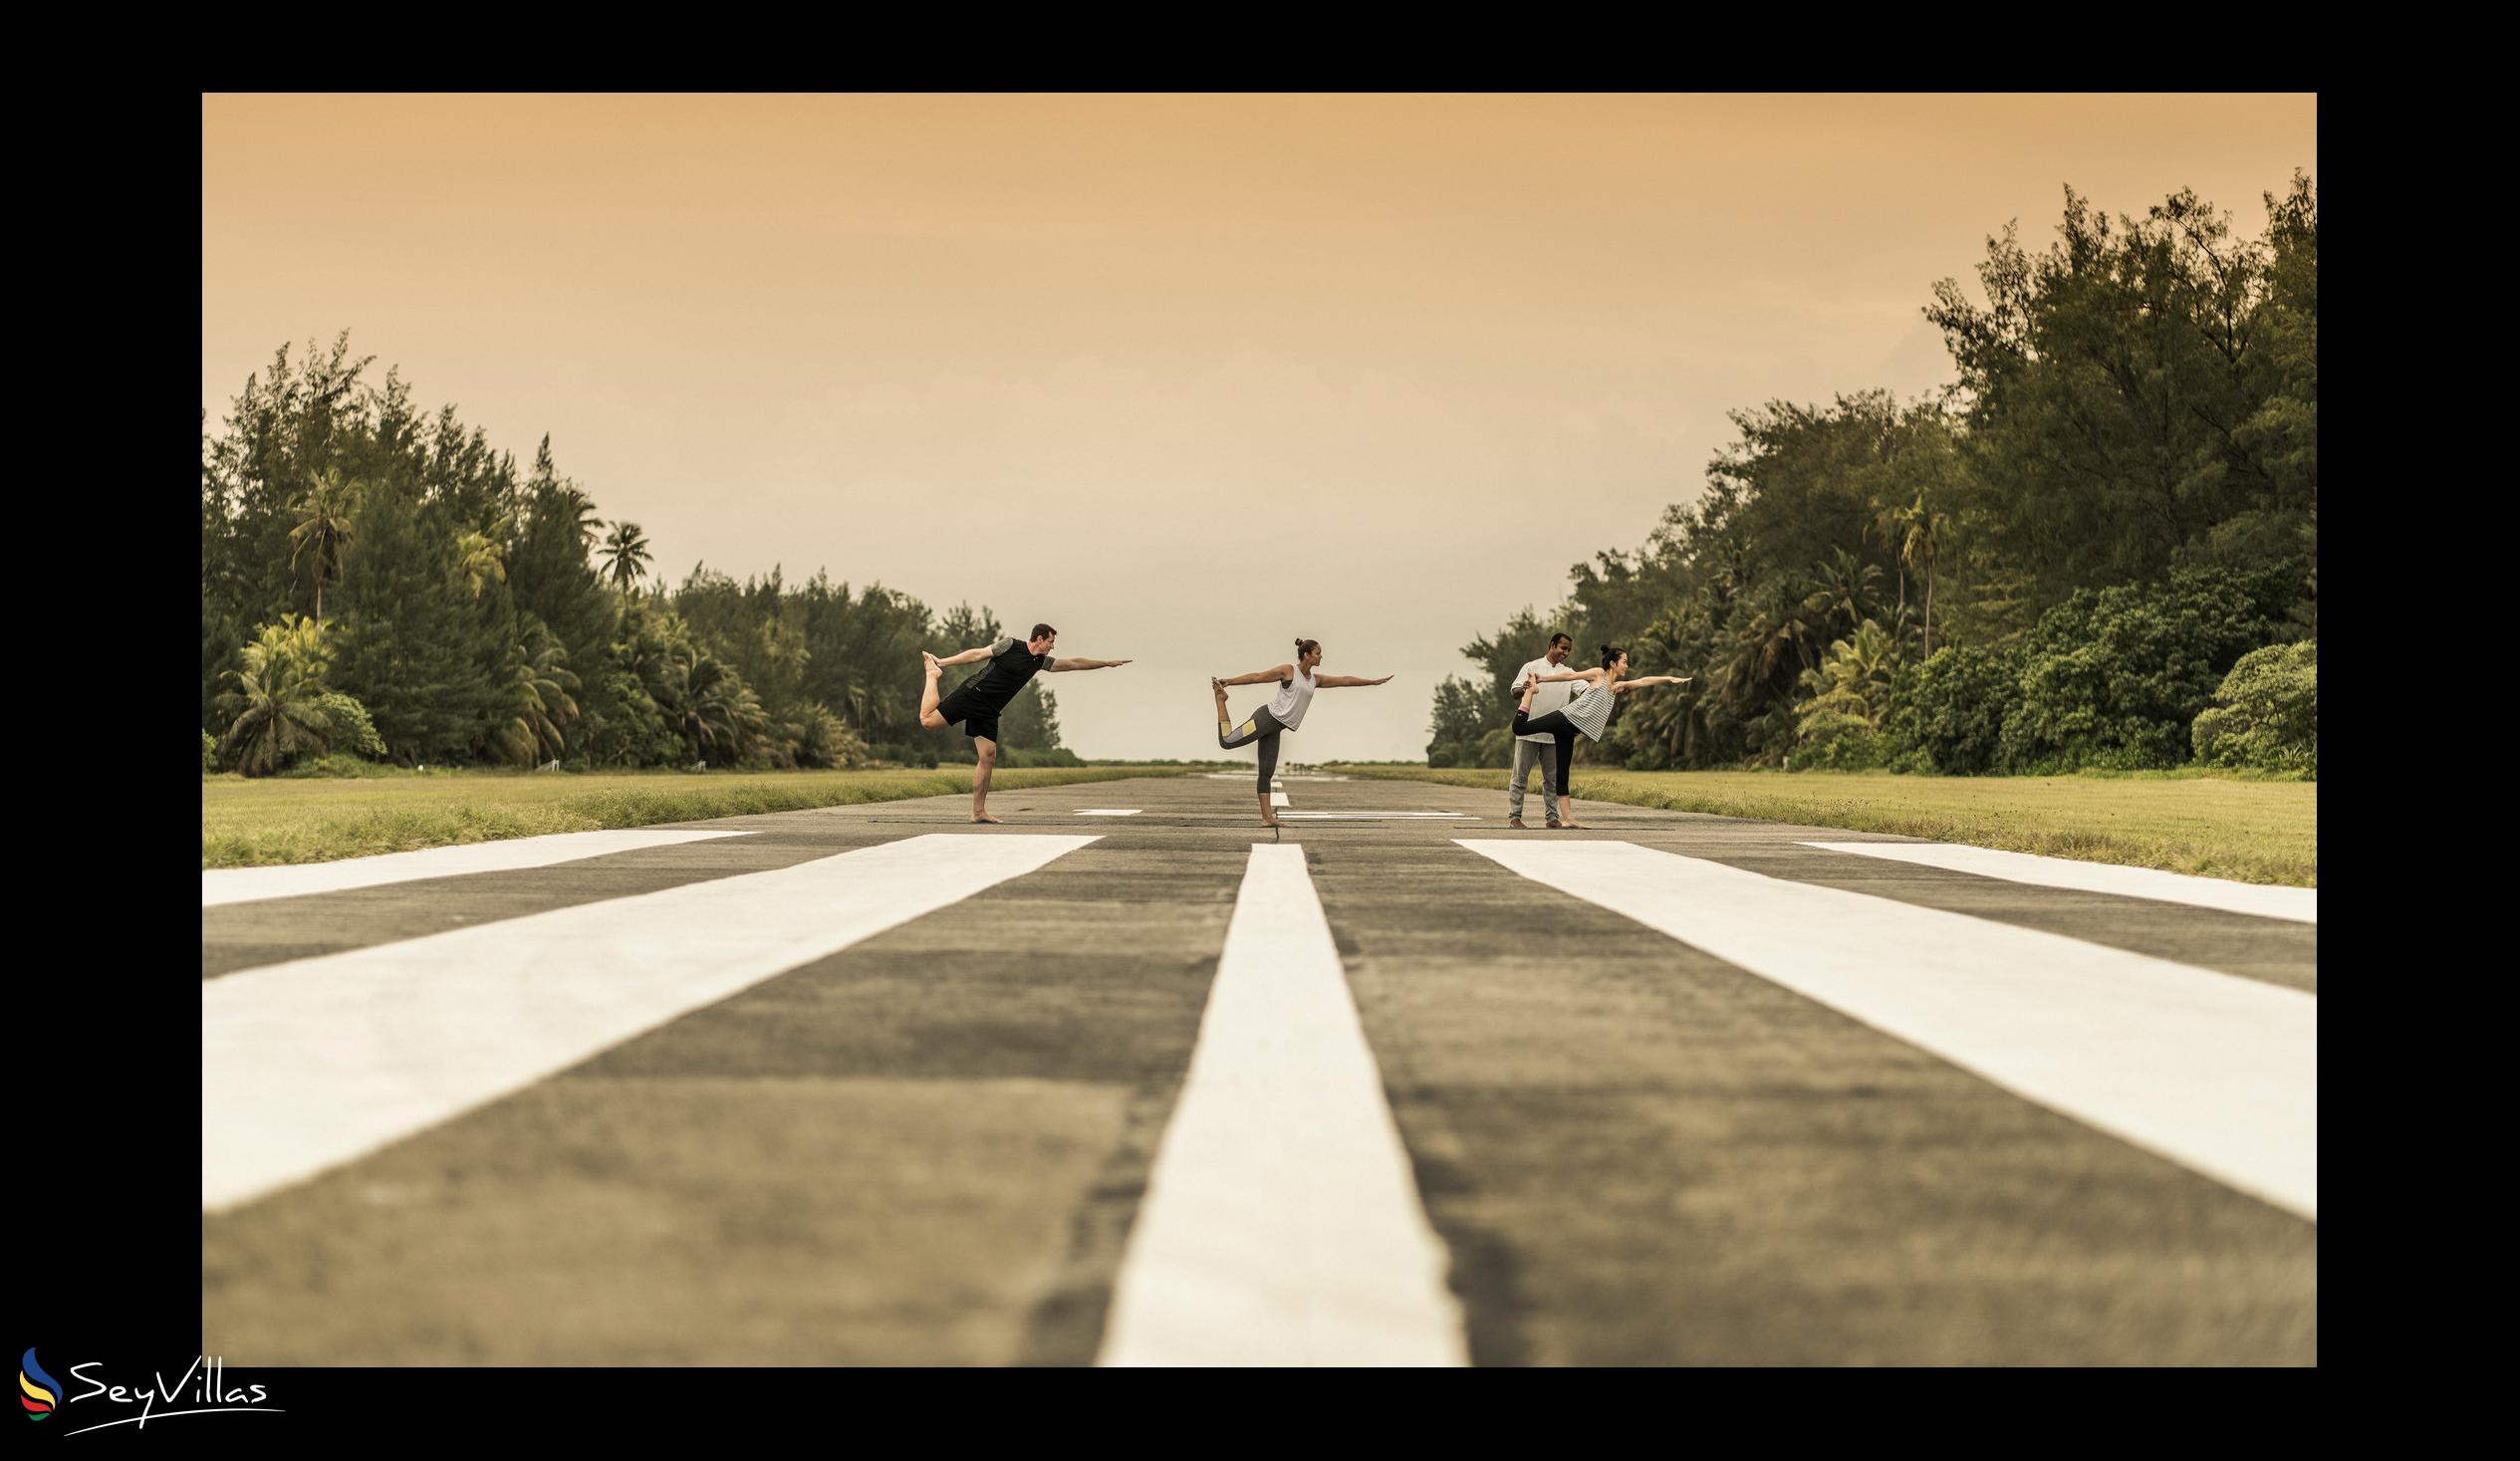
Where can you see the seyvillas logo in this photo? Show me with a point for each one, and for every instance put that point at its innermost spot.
(203, 1383)
(39, 1392)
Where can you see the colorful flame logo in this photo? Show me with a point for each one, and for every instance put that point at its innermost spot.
(42, 1391)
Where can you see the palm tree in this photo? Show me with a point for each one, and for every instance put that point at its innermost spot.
(534, 696)
(625, 553)
(1843, 590)
(323, 528)
(709, 706)
(277, 707)
(1918, 539)
(483, 558)
(569, 505)
(1664, 720)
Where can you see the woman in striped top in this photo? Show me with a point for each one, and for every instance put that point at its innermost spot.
(1588, 712)
(1296, 680)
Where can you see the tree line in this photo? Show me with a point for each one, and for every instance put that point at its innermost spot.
(2096, 547)
(381, 585)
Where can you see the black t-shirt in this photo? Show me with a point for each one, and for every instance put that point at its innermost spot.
(1010, 665)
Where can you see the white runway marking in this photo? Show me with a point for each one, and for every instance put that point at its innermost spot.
(2300, 904)
(251, 884)
(310, 1063)
(1376, 816)
(1111, 812)
(1278, 798)
(2216, 1072)
(1281, 1224)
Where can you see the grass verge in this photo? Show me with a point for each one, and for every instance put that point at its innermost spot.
(2244, 828)
(253, 823)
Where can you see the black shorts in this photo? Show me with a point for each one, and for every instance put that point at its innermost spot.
(978, 721)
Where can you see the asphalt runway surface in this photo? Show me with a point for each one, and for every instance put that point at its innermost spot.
(1131, 1081)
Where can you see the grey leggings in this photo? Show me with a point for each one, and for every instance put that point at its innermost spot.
(1264, 728)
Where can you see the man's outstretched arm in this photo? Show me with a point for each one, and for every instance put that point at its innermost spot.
(1064, 664)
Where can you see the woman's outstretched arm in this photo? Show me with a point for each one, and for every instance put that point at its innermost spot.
(1261, 677)
(1342, 681)
(1652, 679)
(1573, 674)
(968, 656)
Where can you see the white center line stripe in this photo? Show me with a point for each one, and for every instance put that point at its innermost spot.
(1281, 1223)
(1111, 812)
(2300, 904)
(310, 1063)
(2216, 1072)
(250, 885)
(1278, 798)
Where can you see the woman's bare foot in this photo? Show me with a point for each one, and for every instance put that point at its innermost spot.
(985, 817)
(1572, 825)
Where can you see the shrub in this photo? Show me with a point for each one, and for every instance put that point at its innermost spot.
(1953, 711)
(1857, 746)
(621, 726)
(209, 752)
(353, 731)
(1011, 757)
(2116, 678)
(824, 741)
(338, 764)
(2266, 712)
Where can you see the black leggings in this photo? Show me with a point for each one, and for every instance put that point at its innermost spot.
(1264, 728)
(1558, 728)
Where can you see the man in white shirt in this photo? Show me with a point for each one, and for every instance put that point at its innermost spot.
(1542, 749)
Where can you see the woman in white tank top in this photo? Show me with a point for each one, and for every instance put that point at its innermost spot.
(1588, 714)
(1297, 680)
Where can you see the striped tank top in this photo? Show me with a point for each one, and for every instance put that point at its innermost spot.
(1588, 712)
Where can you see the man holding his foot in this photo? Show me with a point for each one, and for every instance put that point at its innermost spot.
(976, 703)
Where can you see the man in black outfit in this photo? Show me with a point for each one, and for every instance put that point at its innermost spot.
(975, 703)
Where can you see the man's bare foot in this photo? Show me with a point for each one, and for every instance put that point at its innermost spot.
(983, 817)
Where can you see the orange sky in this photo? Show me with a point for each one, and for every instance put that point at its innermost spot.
(1185, 376)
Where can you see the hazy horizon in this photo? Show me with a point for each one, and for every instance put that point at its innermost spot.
(1186, 377)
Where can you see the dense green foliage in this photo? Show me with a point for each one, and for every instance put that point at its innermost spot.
(379, 582)
(2265, 714)
(2052, 563)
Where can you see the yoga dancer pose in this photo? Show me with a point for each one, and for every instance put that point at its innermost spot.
(1295, 695)
(1588, 712)
(1539, 749)
(976, 701)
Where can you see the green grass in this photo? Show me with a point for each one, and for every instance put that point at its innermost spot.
(251, 823)
(2252, 830)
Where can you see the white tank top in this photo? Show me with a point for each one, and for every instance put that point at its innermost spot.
(1293, 698)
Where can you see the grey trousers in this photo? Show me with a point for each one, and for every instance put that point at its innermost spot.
(1525, 753)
